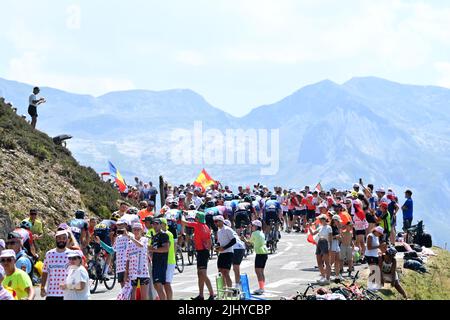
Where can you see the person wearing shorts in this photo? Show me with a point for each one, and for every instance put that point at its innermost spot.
(323, 247)
(259, 243)
(160, 249)
(346, 253)
(238, 255)
(32, 107)
(171, 262)
(202, 243)
(226, 240)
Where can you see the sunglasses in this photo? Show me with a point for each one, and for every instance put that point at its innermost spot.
(4, 260)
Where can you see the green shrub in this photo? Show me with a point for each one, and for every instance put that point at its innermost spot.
(7, 142)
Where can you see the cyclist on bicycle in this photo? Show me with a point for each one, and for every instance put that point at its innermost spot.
(80, 229)
(272, 212)
(243, 212)
(210, 212)
(173, 217)
(106, 231)
(190, 216)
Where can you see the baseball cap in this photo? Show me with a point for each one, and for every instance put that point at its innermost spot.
(355, 185)
(163, 221)
(157, 220)
(151, 203)
(337, 218)
(379, 229)
(75, 253)
(9, 253)
(182, 196)
(219, 218)
(201, 217)
(148, 219)
(122, 221)
(322, 217)
(383, 205)
(61, 233)
(137, 225)
(227, 223)
(381, 190)
(257, 223)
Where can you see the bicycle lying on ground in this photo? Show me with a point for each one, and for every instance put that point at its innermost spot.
(356, 292)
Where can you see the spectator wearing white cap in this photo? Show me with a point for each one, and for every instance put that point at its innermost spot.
(137, 267)
(226, 240)
(55, 272)
(15, 278)
(4, 293)
(259, 243)
(373, 244)
(76, 284)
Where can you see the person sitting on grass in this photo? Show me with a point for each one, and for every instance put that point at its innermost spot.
(388, 267)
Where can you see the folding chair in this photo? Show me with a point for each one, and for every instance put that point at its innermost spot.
(224, 293)
(246, 295)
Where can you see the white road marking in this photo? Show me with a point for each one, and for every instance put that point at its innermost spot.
(293, 265)
(287, 281)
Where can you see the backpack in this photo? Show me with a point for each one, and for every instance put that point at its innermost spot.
(409, 255)
(414, 265)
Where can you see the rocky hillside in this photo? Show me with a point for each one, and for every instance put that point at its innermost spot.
(36, 173)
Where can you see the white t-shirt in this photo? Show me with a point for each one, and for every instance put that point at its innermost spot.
(239, 243)
(224, 236)
(324, 231)
(120, 247)
(197, 201)
(76, 275)
(32, 98)
(55, 265)
(138, 259)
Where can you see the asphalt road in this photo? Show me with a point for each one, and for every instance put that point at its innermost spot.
(287, 271)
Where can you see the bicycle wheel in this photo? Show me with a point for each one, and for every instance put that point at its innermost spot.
(275, 246)
(111, 282)
(179, 260)
(93, 279)
(190, 253)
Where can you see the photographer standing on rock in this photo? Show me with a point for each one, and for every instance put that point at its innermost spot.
(33, 103)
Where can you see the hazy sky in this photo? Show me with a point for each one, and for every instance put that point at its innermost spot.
(238, 54)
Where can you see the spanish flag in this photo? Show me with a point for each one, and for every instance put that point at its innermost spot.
(117, 176)
(204, 180)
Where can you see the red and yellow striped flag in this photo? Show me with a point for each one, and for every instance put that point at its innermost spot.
(204, 180)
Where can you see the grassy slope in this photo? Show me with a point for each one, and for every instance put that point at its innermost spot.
(434, 285)
(16, 133)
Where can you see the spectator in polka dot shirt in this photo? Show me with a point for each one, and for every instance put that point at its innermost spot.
(55, 269)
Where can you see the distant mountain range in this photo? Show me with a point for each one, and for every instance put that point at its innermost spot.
(387, 133)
